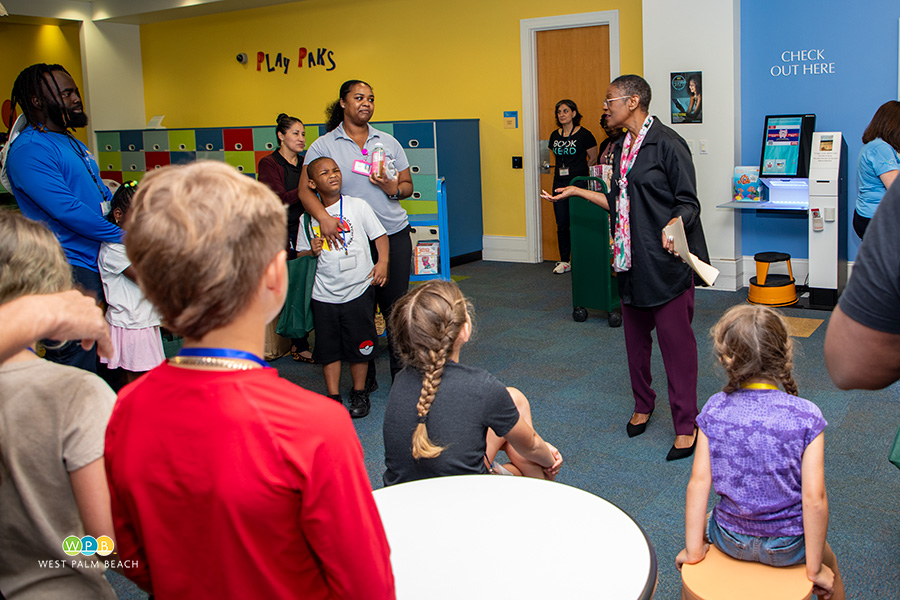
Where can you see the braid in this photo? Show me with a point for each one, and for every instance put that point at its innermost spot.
(31, 83)
(424, 327)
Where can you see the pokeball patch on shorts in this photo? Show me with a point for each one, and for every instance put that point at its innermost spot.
(366, 348)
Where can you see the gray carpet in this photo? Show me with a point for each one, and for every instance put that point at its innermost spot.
(576, 378)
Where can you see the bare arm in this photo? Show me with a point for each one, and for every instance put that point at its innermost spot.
(888, 178)
(63, 316)
(92, 497)
(592, 155)
(598, 198)
(695, 506)
(815, 514)
(402, 187)
(379, 272)
(858, 357)
(311, 204)
(526, 441)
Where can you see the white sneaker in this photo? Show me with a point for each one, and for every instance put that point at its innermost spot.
(562, 267)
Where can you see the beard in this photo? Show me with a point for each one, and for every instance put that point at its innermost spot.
(66, 119)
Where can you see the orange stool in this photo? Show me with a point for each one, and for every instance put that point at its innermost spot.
(720, 577)
(772, 290)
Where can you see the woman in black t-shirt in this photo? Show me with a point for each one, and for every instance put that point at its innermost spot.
(574, 149)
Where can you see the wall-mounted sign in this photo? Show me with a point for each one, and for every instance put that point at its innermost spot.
(685, 91)
(809, 61)
(311, 59)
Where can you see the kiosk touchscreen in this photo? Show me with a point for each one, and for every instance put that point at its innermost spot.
(784, 160)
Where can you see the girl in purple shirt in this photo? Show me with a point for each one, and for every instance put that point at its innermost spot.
(763, 450)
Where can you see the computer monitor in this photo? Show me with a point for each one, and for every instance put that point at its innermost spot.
(787, 140)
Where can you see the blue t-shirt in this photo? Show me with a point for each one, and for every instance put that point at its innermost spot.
(875, 159)
(344, 151)
(56, 181)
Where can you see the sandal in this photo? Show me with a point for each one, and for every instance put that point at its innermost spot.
(297, 356)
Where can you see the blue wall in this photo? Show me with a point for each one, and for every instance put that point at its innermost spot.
(860, 42)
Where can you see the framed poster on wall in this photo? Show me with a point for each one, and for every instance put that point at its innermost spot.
(685, 92)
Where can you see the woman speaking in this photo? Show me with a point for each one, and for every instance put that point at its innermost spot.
(653, 185)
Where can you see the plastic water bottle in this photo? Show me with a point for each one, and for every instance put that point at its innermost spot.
(378, 160)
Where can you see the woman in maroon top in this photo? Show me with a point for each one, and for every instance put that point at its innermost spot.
(281, 172)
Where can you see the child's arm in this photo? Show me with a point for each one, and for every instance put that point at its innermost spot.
(379, 272)
(815, 515)
(316, 250)
(695, 504)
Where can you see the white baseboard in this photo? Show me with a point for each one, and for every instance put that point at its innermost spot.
(730, 274)
(505, 248)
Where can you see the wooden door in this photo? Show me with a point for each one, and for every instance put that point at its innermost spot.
(571, 63)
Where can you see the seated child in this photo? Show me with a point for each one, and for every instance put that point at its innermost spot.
(228, 481)
(763, 450)
(52, 421)
(445, 418)
(133, 322)
(343, 301)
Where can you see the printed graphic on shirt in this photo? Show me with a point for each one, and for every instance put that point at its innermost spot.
(88, 545)
(564, 147)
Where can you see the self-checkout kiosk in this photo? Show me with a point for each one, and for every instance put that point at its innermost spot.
(802, 170)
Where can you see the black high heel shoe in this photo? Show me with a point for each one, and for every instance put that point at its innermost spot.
(679, 453)
(636, 430)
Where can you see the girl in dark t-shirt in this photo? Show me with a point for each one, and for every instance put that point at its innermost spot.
(574, 149)
(458, 417)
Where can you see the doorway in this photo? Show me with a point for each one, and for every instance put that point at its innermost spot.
(553, 49)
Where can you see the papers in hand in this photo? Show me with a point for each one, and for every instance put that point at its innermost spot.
(675, 231)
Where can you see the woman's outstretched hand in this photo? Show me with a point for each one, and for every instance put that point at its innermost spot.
(561, 193)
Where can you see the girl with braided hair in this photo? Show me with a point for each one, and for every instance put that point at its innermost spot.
(763, 450)
(445, 418)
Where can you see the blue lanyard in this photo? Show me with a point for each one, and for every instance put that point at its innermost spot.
(341, 223)
(224, 353)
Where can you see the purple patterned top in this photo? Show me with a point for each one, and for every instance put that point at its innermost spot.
(756, 443)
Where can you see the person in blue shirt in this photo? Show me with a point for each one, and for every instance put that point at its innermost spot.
(56, 181)
(879, 163)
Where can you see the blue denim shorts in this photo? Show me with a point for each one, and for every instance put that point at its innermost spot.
(775, 551)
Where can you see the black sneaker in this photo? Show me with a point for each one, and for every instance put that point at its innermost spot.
(337, 398)
(359, 403)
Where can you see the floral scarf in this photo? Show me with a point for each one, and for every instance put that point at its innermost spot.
(622, 239)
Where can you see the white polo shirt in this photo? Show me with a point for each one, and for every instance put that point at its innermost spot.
(343, 150)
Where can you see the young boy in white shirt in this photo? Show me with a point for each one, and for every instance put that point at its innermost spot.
(343, 302)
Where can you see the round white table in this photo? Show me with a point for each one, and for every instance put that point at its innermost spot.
(492, 536)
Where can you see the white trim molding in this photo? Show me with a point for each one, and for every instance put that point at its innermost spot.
(528, 29)
(505, 248)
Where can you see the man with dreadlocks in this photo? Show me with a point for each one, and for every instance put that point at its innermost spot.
(56, 181)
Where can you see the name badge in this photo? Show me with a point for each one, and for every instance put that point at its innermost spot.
(347, 263)
(564, 171)
(362, 167)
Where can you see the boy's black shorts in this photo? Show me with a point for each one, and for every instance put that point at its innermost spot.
(345, 331)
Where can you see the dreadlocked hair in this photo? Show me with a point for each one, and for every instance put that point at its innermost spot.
(424, 325)
(33, 82)
(753, 342)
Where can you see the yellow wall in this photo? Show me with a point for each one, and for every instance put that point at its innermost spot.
(425, 60)
(22, 45)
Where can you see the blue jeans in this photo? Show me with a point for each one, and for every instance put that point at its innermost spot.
(775, 551)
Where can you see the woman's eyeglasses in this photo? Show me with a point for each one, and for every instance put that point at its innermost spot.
(608, 100)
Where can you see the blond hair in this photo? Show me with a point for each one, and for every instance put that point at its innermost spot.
(31, 259)
(754, 342)
(200, 237)
(425, 323)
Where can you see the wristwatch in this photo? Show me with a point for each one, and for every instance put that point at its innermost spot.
(395, 196)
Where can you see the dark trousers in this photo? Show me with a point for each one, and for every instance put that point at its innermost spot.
(860, 224)
(678, 345)
(398, 284)
(561, 210)
(71, 353)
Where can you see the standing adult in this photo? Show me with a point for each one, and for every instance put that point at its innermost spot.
(878, 164)
(281, 172)
(575, 150)
(653, 185)
(349, 142)
(56, 181)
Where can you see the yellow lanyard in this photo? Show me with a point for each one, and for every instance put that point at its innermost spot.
(759, 386)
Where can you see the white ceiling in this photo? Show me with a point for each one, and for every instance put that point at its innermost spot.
(126, 11)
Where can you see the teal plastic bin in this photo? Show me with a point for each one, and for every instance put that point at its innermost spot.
(594, 284)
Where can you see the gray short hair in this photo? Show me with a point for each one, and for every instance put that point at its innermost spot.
(634, 85)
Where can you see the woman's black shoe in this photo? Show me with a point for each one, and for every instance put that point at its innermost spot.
(679, 453)
(636, 430)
